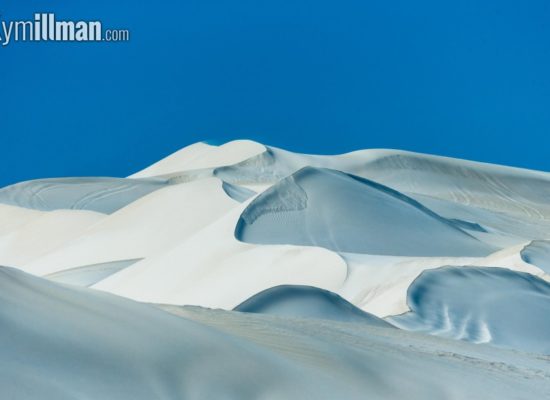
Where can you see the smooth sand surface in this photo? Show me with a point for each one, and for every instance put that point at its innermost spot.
(215, 226)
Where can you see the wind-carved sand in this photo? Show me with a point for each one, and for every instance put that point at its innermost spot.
(244, 271)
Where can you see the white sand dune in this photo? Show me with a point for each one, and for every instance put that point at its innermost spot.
(436, 245)
(389, 363)
(66, 343)
(482, 305)
(104, 195)
(379, 284)
(219, 271)
(537, 253)
(13, 217)
(341, 212)
(149, 225)
(307, 302)
(61, 342)
(238, 193)
(89, 275)
(30, 234)
(516, 192)
(202, 156)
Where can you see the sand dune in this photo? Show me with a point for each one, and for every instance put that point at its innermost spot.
(379, 284)
(482, 305)
(307, 302)
(202, 156)
(537, 253)
(89, 275)
(315, 250)
(238, 193)
(221, 272)
(13, 217)
(388, 363)
(341, 212)
(104, 195)
(514, 191)
(61, 342)
(152, 223)
(30, 234)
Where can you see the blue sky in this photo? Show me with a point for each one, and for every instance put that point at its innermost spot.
(469, 79)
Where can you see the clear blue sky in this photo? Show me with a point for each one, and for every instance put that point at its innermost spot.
(469, 79)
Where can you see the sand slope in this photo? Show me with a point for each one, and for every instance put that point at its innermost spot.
(213, 269)
(442, 246)
(30, 234)
(104, 195)
(515, 194)
(537, 253)
(152, 223)
(61, 342)
(481, 305)
(341, 212)
(65, 343)
(307, 302)
(202, 156)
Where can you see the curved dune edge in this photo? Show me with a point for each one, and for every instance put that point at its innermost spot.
(73, 340)
(88, 275)
(202, 156)
(537, 253)
(346, 213)
(307, 302)
(519, 192)
(379, 284)
(148, 226)
(221, 272)
(99, 194)
(481, 305)
(27, 235)
(185, 233)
